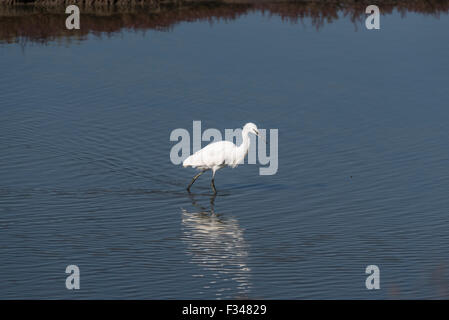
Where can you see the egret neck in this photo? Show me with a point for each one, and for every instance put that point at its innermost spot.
(242, 149)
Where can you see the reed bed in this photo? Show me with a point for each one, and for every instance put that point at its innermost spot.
(44, 20)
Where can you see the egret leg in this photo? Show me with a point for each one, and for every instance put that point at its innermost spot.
(213, 186)
(212, 203)
(194, 179)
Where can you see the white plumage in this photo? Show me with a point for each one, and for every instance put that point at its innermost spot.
(220, 154)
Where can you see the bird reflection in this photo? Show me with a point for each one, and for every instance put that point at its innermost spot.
(217, 246)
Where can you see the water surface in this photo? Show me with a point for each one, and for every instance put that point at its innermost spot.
(86, 178)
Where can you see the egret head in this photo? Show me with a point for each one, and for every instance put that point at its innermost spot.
(251, 128)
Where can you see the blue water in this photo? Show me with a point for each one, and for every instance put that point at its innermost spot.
(86, 177)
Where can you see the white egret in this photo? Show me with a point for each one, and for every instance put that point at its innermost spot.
(220, 154)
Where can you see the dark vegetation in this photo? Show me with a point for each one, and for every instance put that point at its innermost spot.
(44, 20)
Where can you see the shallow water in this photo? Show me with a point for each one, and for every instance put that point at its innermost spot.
(86, 178)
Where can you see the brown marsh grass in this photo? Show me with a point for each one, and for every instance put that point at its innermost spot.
(44, 20)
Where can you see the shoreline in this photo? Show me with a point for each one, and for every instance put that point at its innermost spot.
(152, 3)
(40, 23)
